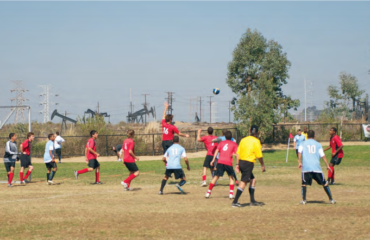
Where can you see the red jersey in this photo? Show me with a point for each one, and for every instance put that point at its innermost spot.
(91, 144)
(210, 146)
(335, 143)
(168, 131)
(128, 145)
(226, 148)
(26, 147)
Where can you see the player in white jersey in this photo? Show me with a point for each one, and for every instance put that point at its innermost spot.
(49, 159)
(298, 140)
(309, 154)
(174, 155)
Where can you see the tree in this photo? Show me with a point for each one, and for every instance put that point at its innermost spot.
(256, 74)
(350, 89)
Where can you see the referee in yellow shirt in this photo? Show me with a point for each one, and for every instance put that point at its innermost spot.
(248, 151)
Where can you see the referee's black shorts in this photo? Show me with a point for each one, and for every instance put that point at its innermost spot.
(246, 168)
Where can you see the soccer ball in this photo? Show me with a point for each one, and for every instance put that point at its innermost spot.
(216, 91)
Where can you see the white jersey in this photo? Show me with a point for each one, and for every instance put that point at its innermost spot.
(58, 142)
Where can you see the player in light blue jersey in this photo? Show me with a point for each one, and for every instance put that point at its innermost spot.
(309, 154)
(174, 155)
(49, 159)
(298, 140)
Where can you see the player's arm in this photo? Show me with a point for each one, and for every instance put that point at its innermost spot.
(198, 136)
(133, 154)
(51, 154)
(164, 159)
(187, 163)
(61, 140)
(337, 151)
(295, 142)
(7, 149)
(326, 149)
(165, 110)
(214, 157)
(237, 163)
(217, 140)
(183, 135)
(93, 152)
(258, 151)
(300, 150)
(322, 155)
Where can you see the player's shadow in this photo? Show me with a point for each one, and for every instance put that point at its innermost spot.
(319, 202)
(176, 193)
(260, 204)
(57, 183)
(134, 189)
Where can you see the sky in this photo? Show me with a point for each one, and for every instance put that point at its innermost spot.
(92, 52)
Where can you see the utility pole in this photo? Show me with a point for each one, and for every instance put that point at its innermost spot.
(305, 98)
(210, 109)
(19, 99)
(200, 109)
(98, 108)
(229, 112)
(46, 102)
(145, 105)
(170, 99)
(130, 101)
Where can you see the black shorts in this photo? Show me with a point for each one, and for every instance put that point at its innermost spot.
(51, 165)
(58, 151)
(166, 145)
(308, 176)
(25, 161)
(8, 165)
(132, 167)
(222, 168)
(335, 160)
(207, 161)
(93, 163)
(179, 173)
(246, 168)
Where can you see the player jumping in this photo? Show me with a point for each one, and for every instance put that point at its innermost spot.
(129, 159)
(49, 159)
(337, 153)
(311, 152)
(10, 157)
(26, 157)
(211, 148)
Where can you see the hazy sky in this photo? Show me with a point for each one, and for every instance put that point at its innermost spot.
(93, 52)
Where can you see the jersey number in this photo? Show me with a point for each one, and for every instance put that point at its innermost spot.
(125, 146)
(311, 149)
(174, 151)
(225, 147)
(165, 130)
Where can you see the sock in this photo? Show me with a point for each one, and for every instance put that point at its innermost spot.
(83, 171)
(60, 158)
(52, 175)
(332, 177)
(163, 184)
(10, 179)
(232, 189)
(304, 190)
(21, 176)
(47, 176)
(210, 188)
(27, 175)
(204, 178)
(129, 179)
(238, 194)
(327, 190)
(96, 176)
(182, 182)
(251, 193)
(330, 174)
(235, 178)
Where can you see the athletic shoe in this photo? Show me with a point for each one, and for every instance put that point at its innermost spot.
(303, 202)
(160, 193)
(119, 160)
(255, 204)
(180, 189)
(50, 182)
(98, 183)
(26, 181)
(236, 205)
(10, 185)
(125, 186)
(333, 201)
(23, 182)
(207, 195)
(76, 174)
(59, 162)
(127, 189)
(204, 184)
(231, 196)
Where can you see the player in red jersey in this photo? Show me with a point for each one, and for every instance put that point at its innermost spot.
(128, 148)
(26, 157)
(227, 150)
(168, 130)
(91, 158)
(336, 153)
(211, 148)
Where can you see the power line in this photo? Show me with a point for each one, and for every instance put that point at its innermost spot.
(46, 102)
(210, 108)
(19, 98)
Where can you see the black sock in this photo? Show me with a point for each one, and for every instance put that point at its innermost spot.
(182, 182)
(60, 159)
(327, 190)
(47, 176)
(238, 194)
(163, 184)
(235, 178)
(52, 175)
(251, 193)
(304, 190)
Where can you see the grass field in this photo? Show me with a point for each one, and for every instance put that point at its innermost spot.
(75, 209)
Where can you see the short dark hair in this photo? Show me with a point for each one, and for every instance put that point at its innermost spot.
(57, 133)
(299, 130)
(311, 134)
(169, 117)
(30, 134)
(11, 135)
(228, 135)
(176, 139)
(210, 130)
(130, 133)
(334, 129)
(92, 133)
(50, 135)
(254, 129)
(224, 131)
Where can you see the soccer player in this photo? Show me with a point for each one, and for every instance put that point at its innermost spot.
(227, 150)
(49, 159)
(248, 151)
(298, 140)
(337, 153)
(129, 158)
(310, 153)
(305, 133)
(10, 156)
(118, 150)
(58, 146)
(174, 155)
(169, 130)
(26, 157)
(211, 148)
(91, 158)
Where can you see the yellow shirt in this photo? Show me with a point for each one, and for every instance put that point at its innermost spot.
(249, 149)
(305, 135)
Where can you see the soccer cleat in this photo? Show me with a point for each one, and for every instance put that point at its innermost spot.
(50, 182)
(119, 160)
(231, 196)
(204, 184)
(23, 182)
(125, 186)
(76, 174)
(127, 189)
(303, 202)
(236, 205)
(160, 193)
(180, 189)
(10, 185)
(207, 195)
(26, 181)
(333, 201)
(98, 183)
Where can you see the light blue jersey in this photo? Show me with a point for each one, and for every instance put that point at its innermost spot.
(299, 140)
(311, 153)
(49, 146)
(174, 155)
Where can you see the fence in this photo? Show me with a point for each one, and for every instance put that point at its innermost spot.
(145, 144)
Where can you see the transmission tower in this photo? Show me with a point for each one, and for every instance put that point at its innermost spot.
(19, 98)
(170, 99)
(46, 102)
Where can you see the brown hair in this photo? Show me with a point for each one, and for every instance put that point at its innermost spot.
(30, 134)
(130, 133)
(169, 117)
